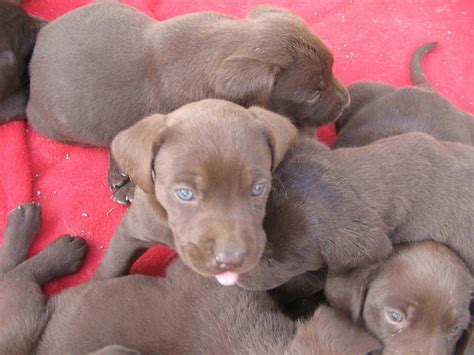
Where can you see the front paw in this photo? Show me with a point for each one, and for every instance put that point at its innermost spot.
(23, 223)
(124, 194)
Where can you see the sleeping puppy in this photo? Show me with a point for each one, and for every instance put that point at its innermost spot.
(18, 33)
(345, 208)
(203, 174)
(190, 314)
(379, 110)
(86, 88)
(415, 302)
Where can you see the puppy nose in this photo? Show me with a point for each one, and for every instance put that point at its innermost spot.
(231, 258)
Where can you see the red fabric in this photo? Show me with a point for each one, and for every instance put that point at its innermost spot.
(370, 40)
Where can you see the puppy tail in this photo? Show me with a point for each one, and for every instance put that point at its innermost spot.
(416, 69)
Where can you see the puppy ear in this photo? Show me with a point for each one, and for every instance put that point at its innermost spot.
(347, 291)
(330, 332)
(245, 80)
(134, 150)
(279, 131)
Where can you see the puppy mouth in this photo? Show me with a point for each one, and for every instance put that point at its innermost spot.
(228, 278)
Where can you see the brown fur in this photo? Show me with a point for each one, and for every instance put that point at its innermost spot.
(18, 33)
(139, 66)
(346, 207)
(220, 151)
(425, 282)
(183, 314)
(379, 110)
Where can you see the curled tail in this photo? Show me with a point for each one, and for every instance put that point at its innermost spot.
(416, 69)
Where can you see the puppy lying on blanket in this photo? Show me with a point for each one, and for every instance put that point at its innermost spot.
(18, 33)
(416, 302)
(379, 110)
(182, 314)
(203, 174)
(346, 207)
(99, 69)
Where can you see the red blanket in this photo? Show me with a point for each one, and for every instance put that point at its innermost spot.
(370, 40)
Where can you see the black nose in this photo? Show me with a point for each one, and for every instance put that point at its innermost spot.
(229, 259)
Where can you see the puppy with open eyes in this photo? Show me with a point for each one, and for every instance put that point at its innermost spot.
(379, 110)
(344, 208)
(101, 68)
(18, 33)
(203, 175)
(183, 314)
(415, 302)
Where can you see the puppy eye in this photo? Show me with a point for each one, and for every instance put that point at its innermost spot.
(258, 189)
(456, 329)
(395, 317)
(315, 98)
(185, 194)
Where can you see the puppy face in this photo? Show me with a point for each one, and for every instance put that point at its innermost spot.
(290, 74)
(209, 166)
(417, 302)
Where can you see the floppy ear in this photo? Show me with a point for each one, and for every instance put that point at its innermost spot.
(245, 80)
(134, 150)
(347, 291)
(279, 131)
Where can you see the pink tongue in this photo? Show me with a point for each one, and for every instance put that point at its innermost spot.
(228, 278)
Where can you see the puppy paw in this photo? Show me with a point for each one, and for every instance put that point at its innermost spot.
(117, 178)
(66, 255)
(124, 195)
(23, 223)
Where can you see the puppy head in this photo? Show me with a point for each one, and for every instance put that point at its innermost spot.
(283, 66)
(417, 302)
(209, 166)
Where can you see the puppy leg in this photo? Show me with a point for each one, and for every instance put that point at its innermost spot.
(23, 224)
(119, 181)
(14, 107)
(122, 252)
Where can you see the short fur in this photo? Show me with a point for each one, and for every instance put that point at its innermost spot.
(346, 207)
(182, 314)
(219, 150)
(379, 110)
(85, 88)
(425, 282)
(18, 33)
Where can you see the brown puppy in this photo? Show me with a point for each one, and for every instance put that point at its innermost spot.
(22, 303)
(346, 207)
(203, 174)
(18, 33)
(190, 314)
(379, 110)
(87, 88)
(415, 302)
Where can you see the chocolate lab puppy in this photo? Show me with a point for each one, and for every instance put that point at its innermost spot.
(345, 208)
(189, 314)
(23, 312)
(415, 302)
(379, 110)
(101, 68)
(18, 33)
(183, 314)
(203, 174)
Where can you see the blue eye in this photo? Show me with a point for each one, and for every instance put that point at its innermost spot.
(395, 317)
(258, 189)
(185, 194)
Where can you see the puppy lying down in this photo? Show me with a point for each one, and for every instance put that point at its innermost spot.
(18, 33)
(101, 68)
(346, 207)
(183, 314)
(416, 302)
(203, 174)
(379, 110)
